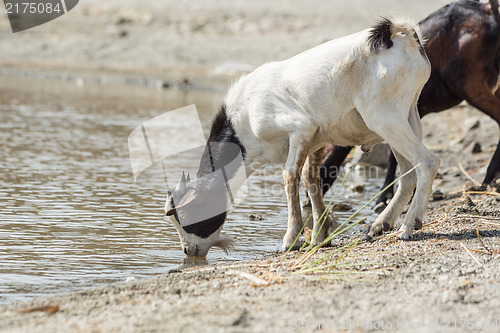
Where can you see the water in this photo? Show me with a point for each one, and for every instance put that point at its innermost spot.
(71, 215)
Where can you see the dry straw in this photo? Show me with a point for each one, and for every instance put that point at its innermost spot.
(332, 263)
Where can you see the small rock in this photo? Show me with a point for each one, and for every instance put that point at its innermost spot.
(475, 125)
(474, 148)
(114, 31)
(241, 318)
(172, 290)
(162, 84)
(358, 188)
(468, 271)
(255, 217)
(437, 195)
(122, 20)
(341, 207)
(467, 201)
(186, 83)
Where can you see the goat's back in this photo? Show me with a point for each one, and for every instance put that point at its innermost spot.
(321, 87)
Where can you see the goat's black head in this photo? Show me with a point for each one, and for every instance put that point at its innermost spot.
(198, 209)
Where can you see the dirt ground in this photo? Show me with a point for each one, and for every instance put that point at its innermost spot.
(447, 278)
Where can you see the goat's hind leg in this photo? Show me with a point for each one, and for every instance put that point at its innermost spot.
(390, 175)
(403, 135)
(390, 214)
(297, 154)
(418, 154)
(489, 103)
(311, 177)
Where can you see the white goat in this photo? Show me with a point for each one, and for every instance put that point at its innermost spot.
(357, 90)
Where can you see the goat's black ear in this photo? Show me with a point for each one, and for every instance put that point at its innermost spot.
(171, 212)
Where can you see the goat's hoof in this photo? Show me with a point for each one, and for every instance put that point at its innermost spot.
(379, 208)
(293, 247)
(367, 238)
(329, 244)
(372, 231)
(404, 236)
(405, 233)
(387, 227)
(418, 224)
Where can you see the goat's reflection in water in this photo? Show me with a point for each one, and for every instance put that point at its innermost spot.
(189, 262)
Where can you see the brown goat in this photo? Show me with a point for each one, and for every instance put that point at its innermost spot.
(463, 46)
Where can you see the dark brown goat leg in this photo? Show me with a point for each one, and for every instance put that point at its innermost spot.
(489, 103)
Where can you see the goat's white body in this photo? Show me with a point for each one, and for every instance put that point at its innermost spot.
(324, 91)
(341, 93)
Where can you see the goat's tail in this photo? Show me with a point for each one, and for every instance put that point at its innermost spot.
(380, 36)
(494, 9)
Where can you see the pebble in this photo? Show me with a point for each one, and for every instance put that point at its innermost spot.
(162, 84)
(476, 124)
(341, 207)
(467, 201)
(437, 195)
(358, 188)
(114, 31)
(255, 217)
(474, 148)
(468, 271)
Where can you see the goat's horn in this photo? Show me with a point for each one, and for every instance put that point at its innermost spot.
(181, 185)
(188, 178)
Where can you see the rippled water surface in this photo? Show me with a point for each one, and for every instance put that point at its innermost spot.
(71, 215)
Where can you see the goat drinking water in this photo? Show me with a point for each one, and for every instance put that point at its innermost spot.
(357, 90)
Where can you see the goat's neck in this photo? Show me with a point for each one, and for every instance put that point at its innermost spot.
(223, 146)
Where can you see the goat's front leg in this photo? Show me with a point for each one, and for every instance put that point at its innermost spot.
(311, 177)
(297, 155)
